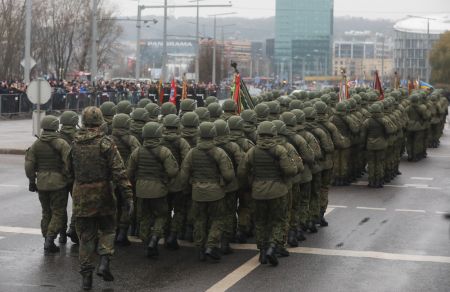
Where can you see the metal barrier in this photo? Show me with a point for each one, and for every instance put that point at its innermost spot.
(14, 104)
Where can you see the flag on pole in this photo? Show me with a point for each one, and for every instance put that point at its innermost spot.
(184, 92)
(161, 92)
(173, 92)
(237, 91)
(424, 85)
(377, 86)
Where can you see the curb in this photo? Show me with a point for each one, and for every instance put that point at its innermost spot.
(13, 151)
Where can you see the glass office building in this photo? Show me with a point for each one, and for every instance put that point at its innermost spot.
(303, 37)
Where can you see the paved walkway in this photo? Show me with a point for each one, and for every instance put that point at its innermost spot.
(16, 136)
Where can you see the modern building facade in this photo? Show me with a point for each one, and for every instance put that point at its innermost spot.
(303, 37)
(414, 38)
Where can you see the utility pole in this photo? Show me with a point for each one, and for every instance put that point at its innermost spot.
(215, 45)
(27, 67)
(94, 43)
(164, 56)
(138, 45)
(382, 61)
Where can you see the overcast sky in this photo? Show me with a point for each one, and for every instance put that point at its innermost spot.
(391, 9)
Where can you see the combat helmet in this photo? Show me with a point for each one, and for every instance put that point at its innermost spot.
(168, 108)
(152, 130)
(310, 113)
(215, 111)
(320, 107)
(249, 116)
(143, 102)
(211, 99)
(289, 119)
(267, 128)
(414, 98)
(281, 127)
(190, 120)
(153, 110)
(202, 114)
(108, 108)
(140, 114)
(235, 123)
(222, 128)
(124, 107)
(171, 121)
(50, 123)
(207, 130)
(375, 108)
(69, 118)
(262, 111)
(341, 108)
(188, 105)
(300, 118)
(295, 104)
(92, 117)
(121, 121)
(229, 106)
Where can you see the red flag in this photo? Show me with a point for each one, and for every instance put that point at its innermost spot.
(237, 91)
(173, 92)
(378, 86)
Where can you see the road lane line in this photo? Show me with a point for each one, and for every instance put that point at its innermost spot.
(336, 206)
(417, 185)
(9, 186)
(371, 254)
(441, 213)
(329, 210)
(1, 237)
(396, 186)
(421, 178)
(232, 278)
(410, 210)
(20, 230)
(371, 208)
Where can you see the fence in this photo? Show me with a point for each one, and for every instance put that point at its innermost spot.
(14, 104)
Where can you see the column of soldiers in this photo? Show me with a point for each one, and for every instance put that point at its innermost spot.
(212, 176)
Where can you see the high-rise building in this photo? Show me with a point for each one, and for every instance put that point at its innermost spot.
(303, 37)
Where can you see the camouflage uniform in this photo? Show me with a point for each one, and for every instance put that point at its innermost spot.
(264, 167)
(46, 166)
(208, 169)
(96, 163)
(150, 168)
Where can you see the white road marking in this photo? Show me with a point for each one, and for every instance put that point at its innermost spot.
(416, 185)
(328, 211)
(371, 208)
(438, 156)
(8, 186)
(441, 213)
(336, 206)
(421, 178)
(371, 254)
(410, 210)
(20, 230)
(429, 188)
(1, 237)
(232, 278)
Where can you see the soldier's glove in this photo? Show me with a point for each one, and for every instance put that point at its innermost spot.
(32, 187)
(130, 208)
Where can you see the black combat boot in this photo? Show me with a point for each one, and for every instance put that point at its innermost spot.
(323, 222)
(292, 238)
(282, 252)
(62, 237)
(241, 237)
(201, 254)
(225, 247)
(262, 256)
(49, 245)
(73, 235)
(271, 255)
(122, 237)
(213, 253)
(188, 234)
(301, 234)
(87, 281)
(312, 226)
(103, 269)
(172, 241)
(152, 248)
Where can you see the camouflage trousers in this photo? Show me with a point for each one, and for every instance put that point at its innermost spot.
(229, 226)
(389, 161)
(96, 235)
(245, 211)
(176, 203)
(270, 221)
(294, 208)
(324, 189)
(209, 222)
(414, 144)
(434, 135)
(375, 162)
(122, 215)
(304, 198)
(341, 164)
(153, 218)
(314, 199)
(54, 206)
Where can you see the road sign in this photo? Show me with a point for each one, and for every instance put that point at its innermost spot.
(32, 63)
(39, 91)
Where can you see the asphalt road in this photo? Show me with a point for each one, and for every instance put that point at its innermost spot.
(390, 239)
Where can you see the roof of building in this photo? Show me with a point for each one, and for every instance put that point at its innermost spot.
(439, 23)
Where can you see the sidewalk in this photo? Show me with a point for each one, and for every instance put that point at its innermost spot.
(16, 136)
